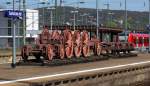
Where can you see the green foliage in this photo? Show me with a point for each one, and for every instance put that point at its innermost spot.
(111, 24)
(133, 17)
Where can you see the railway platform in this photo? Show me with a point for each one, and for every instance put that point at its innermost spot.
(70, 75)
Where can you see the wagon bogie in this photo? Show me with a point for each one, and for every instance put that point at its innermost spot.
(105, 48)
(25, 52)
(130, 47)
(49, 52)
(97, 49)
(38, 57)
(24, 56)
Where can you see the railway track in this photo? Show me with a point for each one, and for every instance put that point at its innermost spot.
(58, 62)
(74, 60)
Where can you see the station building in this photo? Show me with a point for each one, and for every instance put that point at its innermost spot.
(6, 28)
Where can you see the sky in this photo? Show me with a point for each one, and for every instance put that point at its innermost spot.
(132, 5)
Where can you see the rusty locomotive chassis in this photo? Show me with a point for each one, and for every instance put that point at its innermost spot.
(70, 44)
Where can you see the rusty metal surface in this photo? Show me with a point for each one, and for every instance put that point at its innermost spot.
(67, 44)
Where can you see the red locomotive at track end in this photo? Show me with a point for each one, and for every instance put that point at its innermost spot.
(139, 40)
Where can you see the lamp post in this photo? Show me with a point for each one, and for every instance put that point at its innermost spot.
(18, 25)
(108, 11)
(51, 16)
(63, 9)
(126, 16)
(86, 18)
(74, 18)
(82, 19)
(111, 19)
(18, 32)
(76, 5)
(97, 20)
(91, 19)
(24, 22)
(43, 20)
(149, 25)
(13, 64)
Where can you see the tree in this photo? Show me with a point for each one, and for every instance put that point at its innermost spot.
(111, 24)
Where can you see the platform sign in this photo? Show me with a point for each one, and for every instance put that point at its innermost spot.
(14, 14)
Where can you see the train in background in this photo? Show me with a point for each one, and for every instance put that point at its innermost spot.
(139, 40)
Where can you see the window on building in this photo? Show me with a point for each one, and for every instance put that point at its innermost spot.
(10, 42)
(9, 27)
(106, 37)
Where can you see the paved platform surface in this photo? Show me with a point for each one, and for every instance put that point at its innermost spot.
(31, 72)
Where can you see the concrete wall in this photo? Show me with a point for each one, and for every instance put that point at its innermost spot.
(138, 76)
(128, 79)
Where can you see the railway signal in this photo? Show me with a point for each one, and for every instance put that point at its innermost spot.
(97, 19)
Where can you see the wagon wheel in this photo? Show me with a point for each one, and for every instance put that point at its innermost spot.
(85, 50)
(130, 47)
(61, 52)
(120, 47)
(24, 54)
(69, 51)
(68, 43)
(77, 42)
(77, 51)
(49, 52)
(124, 47)
(98, 49)
(85, 41)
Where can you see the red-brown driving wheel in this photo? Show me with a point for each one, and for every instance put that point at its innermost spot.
(69, 51)
(61, 52)
(85, 41)
(77, 44)
(49, 52)
(85, 50)
(68, 43)
(77, 51)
